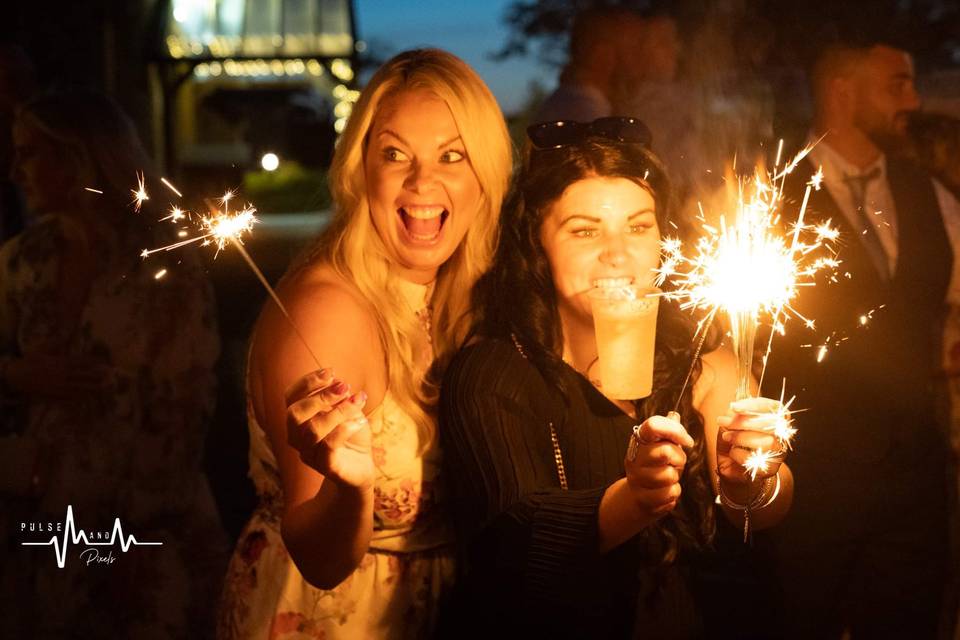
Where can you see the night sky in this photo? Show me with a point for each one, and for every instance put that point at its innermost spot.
(471, 30)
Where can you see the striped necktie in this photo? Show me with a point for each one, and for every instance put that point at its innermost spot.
(858, 189)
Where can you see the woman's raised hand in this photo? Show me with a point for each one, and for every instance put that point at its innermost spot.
(750, 440)
(655, 461)
(326, 424)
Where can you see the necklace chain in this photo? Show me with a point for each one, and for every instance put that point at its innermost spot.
(554, 440)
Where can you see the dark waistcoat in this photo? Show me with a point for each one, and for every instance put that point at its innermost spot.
(874, 388)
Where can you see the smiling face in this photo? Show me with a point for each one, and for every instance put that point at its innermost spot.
(600, 232)
(422, 190)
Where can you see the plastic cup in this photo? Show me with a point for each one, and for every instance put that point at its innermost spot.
(625, 322)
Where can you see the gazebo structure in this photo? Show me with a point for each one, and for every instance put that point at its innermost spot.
(231, 79)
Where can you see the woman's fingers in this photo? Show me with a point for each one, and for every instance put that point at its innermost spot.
(758, 456)
(661, 453)
(751, 439)
(305, 435)
(657, 477)
(346, 430)
(656, 428)
(308, 385)
(321, 401)
(755, 406)
(664, 499)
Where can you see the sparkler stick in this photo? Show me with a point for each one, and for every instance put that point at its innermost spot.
(749, 269)
(276, 298)
(702, 329)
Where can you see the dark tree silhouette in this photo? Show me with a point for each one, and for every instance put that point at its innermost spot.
(928, 28)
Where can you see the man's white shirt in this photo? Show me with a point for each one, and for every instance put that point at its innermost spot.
(880, 208)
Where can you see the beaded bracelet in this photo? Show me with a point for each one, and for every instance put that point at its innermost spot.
(763, 499)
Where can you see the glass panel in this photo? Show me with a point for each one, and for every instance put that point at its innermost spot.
(258, 28)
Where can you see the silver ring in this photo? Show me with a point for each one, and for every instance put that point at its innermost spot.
(634, 445)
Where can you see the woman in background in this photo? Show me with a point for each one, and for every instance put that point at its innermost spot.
(107, 386)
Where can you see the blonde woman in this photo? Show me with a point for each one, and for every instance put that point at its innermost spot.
(348, 540)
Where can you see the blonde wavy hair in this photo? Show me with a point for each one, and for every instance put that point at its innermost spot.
(354, 249)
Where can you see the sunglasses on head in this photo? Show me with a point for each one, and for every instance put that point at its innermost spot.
(564, 133)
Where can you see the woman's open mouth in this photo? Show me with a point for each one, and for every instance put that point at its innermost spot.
(423, 224)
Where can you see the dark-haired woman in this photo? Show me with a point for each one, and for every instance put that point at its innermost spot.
(559, 532)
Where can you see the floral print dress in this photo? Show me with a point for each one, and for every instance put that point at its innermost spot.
(132, 450)
(393, 593)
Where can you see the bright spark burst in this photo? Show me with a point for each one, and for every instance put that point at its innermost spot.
(759, 462)
(749, 266)
(782, 429)
(218, 229)
(176, 214)
(140, 193)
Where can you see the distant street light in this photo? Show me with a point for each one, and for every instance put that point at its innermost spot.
(269, 161)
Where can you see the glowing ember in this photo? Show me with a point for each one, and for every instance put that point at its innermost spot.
(759, 461)
(171, 187)
(140, 193)
(176, 214)
(218, 228)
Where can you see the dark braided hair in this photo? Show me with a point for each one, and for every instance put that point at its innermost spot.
(517, 297)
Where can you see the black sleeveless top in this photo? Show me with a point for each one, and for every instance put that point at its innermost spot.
(528, 549)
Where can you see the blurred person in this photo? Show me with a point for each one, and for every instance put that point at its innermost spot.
(935, 144)
(864, 551)
(17, 84)
(560, 534)
(350, 537)
(106, 385)
(599, 50)
(650, 91)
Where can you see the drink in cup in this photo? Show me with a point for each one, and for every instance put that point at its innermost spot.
(625, 321)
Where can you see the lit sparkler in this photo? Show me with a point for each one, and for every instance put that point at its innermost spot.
(748, 267)
(759, 461)
(782, 429)
(218, 228)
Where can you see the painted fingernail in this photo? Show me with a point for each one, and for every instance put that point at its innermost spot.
(359, 397)
(340, 387)
(726, 436)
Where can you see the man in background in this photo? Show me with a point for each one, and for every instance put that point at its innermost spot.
(864, 550)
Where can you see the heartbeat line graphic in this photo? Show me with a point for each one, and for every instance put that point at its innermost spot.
(72, 535)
